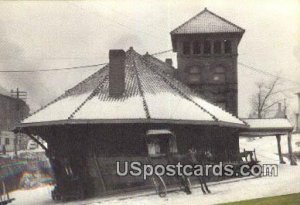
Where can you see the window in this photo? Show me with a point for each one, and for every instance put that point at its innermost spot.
(217, 47)
(219, 75)
(207, 47)
(194, 75)
(196, 47)
(158, 146)
(227, 46)
(186, 48)
(7, 141)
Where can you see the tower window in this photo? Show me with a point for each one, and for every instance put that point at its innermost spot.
(196, 47)
(227, 46)
(194, 75)
(207, 47)
(217, 47)
(219, 75)
(186, 48)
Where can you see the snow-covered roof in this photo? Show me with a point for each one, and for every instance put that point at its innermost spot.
(270, 123)
(3, 91)
(159, 132)
(207, 22)
(152, 95)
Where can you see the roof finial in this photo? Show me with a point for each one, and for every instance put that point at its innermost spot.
(205, 9)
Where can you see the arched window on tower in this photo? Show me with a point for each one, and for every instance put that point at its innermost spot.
(194, 75)
(227, 46)
(219, 75)
(217, 47)
(206, 47)
(196, 47)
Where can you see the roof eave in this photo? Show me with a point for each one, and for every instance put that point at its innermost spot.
(20, 126)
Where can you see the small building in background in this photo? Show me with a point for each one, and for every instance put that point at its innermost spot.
(297, 124)
(12, 110)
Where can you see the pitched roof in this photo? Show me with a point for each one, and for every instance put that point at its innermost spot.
(207, 22)
(3, 91)
(151, 95)
(269, 123)
(266, 127)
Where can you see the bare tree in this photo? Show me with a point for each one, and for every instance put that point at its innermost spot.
(266, 97)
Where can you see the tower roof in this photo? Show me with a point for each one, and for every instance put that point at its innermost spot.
(151, 96)
(207, 22)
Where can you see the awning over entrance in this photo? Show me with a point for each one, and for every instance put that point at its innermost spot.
(271, 127)
(267, 127)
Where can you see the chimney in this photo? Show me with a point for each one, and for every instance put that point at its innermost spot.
(280, 113)
(169, 61)
(279, 108)
(116, 72)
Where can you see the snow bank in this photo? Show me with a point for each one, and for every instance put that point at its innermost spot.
(288, 181)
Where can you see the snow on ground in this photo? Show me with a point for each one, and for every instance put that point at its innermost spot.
(288, 181)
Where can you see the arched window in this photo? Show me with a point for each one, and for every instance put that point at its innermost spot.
(217, 47)
(206, 47)
(219, 75)
(186, 48)
(194, 75)
(196, 47)
(227, 46)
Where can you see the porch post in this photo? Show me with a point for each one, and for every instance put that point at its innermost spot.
(292, 160)
(281, 161)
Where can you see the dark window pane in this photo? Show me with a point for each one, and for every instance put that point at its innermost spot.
(7, 141)
(217, 47)
(194, 76)
(194, 70)
(219, 75)
(196, 47)
(227, 46)
(186, 48)
(206, 47)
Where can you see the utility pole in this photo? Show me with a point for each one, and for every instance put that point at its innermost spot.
(19, 95)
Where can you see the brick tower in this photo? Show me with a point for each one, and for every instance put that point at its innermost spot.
(207, 50)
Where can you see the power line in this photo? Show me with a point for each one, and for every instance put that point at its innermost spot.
(161, 52)
(68, 68)
(267, 73)
(55, 69)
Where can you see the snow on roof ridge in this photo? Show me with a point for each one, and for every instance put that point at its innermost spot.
(187, 21)
(94, 92)
(199, 14)
(145, 106)
(67, 92)
(158, 60)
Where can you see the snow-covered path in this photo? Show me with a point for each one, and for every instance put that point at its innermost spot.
(288, 181)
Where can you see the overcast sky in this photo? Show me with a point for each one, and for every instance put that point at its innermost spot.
(42, 35)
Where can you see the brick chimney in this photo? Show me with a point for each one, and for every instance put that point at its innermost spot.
(116, 72)
(279, 113)
(169, 61)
